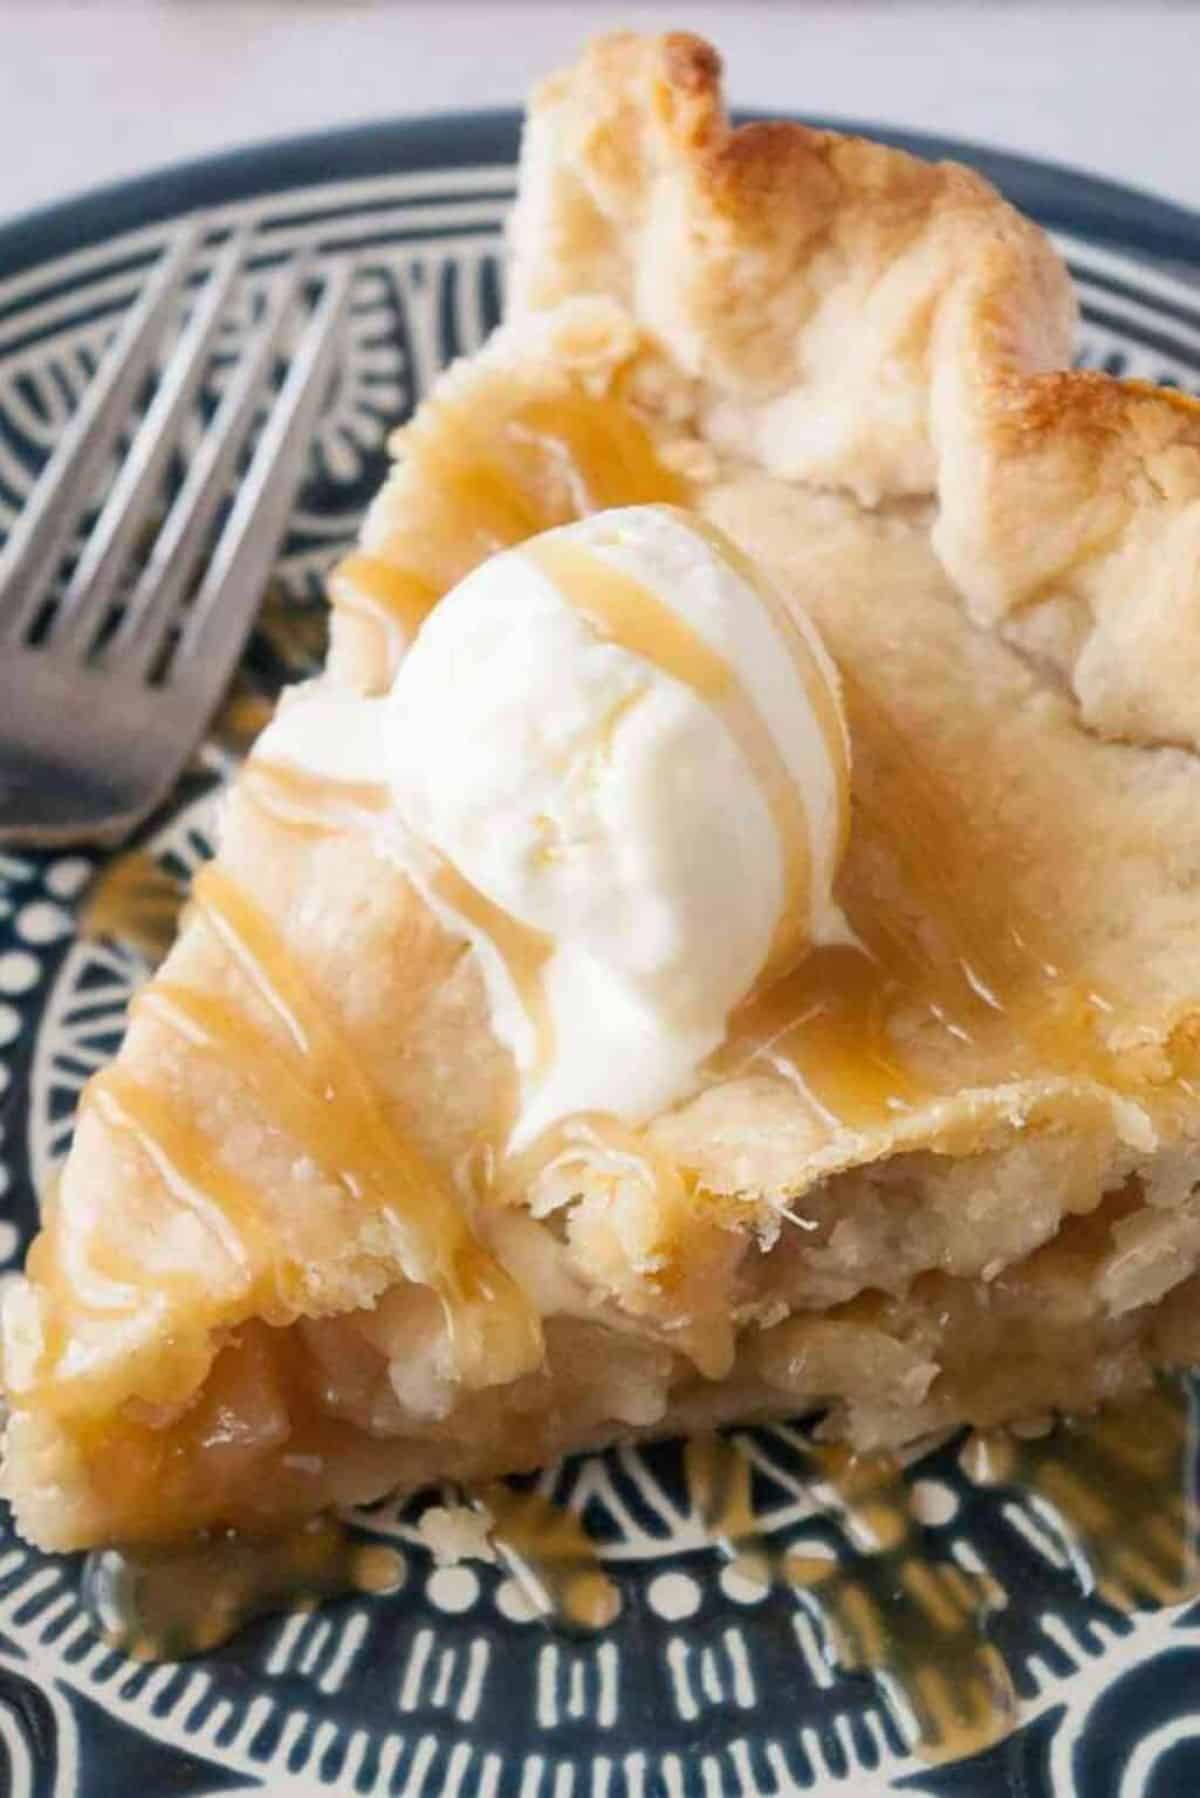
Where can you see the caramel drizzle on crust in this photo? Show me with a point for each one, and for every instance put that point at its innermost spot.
(315, 805)
(500, 470)
(912, 333)
(308, 803)
(375, 1159)
(309, 1081)
(378, 588)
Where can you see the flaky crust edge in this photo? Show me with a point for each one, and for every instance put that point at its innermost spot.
(854, 317)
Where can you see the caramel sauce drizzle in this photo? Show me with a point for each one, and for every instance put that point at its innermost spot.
(228, 1208)
(318, 1087)
(551, 1557)
(811, 675)
(135, 901)
(522, 949)
(825, 1030)
(886, 1594)
(114, 1279)
(310, 1080)
(169, 1601)
(625, 612)
(503, 469)
(890, 1610)
(317, 806)
(597, 446)
(310, 804)
(166, 1603)
(369, 584)
(940, 956)
(518, 467)
(1123, 1484)
(109, 1288)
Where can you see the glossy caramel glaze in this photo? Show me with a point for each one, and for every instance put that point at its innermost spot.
(551, 1556)
(523, 950)
(135, 901)
(1119, 1486)
(883, 1592)
(939, 955)
(625, 612)
(159, 1603)
(498, 471)
(311, 1078)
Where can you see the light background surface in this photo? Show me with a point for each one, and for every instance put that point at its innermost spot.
(91, 90)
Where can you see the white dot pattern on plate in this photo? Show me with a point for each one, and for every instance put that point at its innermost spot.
(42, 922)
(744, 1582)
(452, 1589)
(514, 1602)
(932, 1502)
(18, 971)
(674, 1596)
(66, 877)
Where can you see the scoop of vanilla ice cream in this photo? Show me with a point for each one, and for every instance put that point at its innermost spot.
(596, 772)
(618, 765)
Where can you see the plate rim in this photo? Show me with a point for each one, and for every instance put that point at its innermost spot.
(1059, 194)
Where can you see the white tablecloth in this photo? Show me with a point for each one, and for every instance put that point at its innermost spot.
(98, 89)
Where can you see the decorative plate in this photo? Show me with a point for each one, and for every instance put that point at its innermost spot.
(988, 1621)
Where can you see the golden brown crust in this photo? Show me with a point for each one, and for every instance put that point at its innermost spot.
(856, 317)
(788, 309)
(760, 253)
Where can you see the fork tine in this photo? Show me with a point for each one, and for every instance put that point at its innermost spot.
(107, 550)
(242, 560)
(162, 583)
(61, 493)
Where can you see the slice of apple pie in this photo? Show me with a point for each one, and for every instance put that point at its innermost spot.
(744, 956)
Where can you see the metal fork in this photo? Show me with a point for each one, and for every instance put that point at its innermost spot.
(104, 695)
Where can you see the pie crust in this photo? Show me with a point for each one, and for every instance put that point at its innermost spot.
(950, 1176)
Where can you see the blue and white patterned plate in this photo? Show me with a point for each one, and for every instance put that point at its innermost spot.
(1001, 1596)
